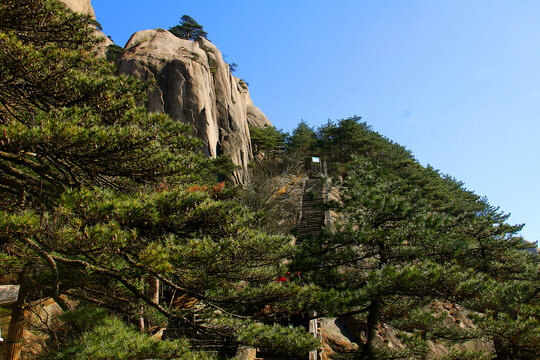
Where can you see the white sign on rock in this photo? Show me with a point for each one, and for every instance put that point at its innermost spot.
(8, 294)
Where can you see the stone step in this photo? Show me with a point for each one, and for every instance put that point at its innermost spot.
(313, 219)
(263, 355)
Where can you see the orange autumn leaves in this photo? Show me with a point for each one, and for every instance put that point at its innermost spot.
(213, 190)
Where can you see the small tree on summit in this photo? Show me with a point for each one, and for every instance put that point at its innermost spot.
(188, 29)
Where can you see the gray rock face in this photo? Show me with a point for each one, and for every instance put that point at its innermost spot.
(195, 86)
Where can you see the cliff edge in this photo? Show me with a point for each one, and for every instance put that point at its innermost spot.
(194, 85)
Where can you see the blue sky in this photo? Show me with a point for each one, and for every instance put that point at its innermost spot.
(455, 81)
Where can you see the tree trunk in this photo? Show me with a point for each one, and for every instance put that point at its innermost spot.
(373, 322)
(153, 288)
(153, 294)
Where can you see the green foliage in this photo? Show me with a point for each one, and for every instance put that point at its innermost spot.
(100, 198)
(337, 143)
(188, 29)
(409, 238)
(273, 338)
(212, 64)
(92, 334)
(113, 53)
(105, 242)
(267, 139)
(47, 22)
(461, 354)
(303, 140)
(67, 119)
(243, 84)
(184, 235)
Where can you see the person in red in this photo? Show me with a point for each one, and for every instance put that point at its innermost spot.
(283, 278)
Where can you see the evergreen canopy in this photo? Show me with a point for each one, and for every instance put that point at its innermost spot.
(100, 199)
(188, 29)
(409, 242)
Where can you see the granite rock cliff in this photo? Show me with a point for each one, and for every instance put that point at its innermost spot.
(194, 85)
(80, 6)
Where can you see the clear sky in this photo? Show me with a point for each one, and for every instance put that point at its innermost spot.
(455, 81)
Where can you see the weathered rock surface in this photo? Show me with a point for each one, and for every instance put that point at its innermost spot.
(346, 335)
(195, 86)
(333, 337)
(80, 6)
(85, 7)
(37, 331)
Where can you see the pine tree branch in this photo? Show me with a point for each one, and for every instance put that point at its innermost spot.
(198, 296)
(52, 264)
(115, 275)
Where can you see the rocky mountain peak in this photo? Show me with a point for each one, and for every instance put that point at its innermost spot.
(195, 86)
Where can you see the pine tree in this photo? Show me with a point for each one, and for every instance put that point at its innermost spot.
(109, 198)
(90, 333)
(303, 139)
(410, 240)
(188, 29)
(267, 139)
(67, 122)
(64, 124)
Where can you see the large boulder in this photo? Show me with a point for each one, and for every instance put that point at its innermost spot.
(347, 335)
(194, 85)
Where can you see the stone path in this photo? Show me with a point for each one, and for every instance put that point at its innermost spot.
(312, 215)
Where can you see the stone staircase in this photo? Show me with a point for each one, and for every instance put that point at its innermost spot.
(216, 347)
(261, 355)
(312, 215)
(312, 221)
